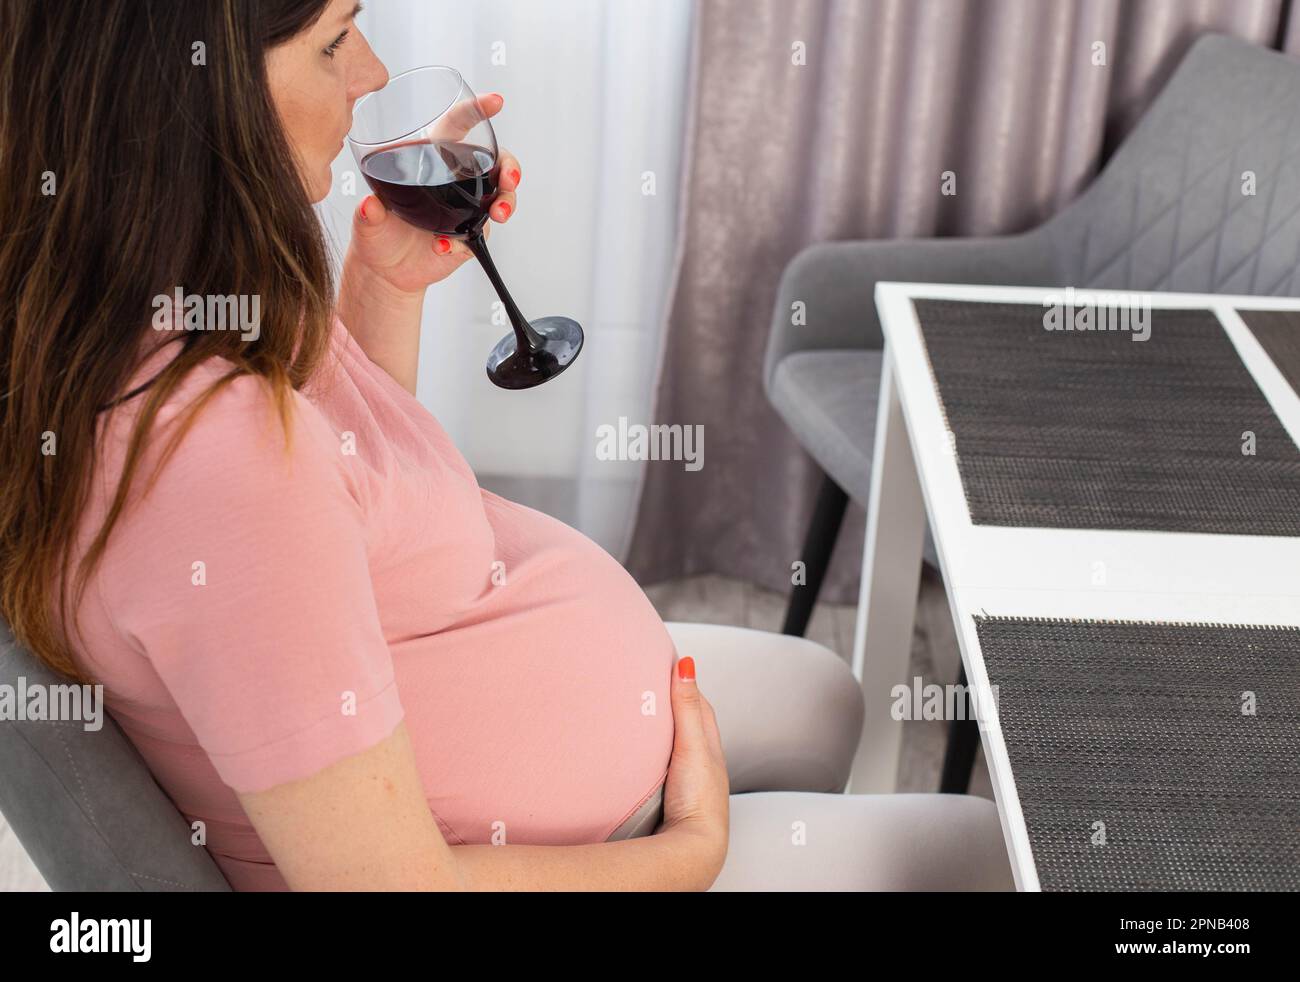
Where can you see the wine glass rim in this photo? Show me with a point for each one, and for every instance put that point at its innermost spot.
(410, 71)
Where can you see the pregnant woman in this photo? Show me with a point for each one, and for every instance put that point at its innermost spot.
(352, 665)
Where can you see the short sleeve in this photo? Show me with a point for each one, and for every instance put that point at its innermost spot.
(243, 578)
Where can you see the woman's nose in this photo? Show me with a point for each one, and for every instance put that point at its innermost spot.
(371, 76)
(378, 76)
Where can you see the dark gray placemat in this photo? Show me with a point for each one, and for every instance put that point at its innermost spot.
(1095, 430)
(1140, 727)
(1278, 333)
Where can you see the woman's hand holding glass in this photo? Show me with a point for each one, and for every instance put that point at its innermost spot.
(408, 259)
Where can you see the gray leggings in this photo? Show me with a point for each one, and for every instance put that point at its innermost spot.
(790, 714)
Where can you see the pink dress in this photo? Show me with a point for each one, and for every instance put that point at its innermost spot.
(262, 614)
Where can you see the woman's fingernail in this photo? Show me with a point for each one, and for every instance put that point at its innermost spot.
(505, 209)
(364, 216)
(442, 247)
(514, 175)
(686, 669)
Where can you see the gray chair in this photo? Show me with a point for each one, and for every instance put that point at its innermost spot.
(84, 804)
(1167, 212)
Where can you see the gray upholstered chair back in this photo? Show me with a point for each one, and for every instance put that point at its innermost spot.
(1170, 210)
(1167, 212)
(83, 803)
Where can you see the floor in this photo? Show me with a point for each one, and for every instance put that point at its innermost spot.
(718, 600)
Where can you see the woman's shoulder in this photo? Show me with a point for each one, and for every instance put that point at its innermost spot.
(233, 482)
(224, 431)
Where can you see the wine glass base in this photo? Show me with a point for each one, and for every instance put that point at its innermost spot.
(561, 342)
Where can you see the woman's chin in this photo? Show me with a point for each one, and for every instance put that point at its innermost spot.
(320, 187)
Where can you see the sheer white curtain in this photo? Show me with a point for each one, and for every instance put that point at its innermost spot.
(595, 101)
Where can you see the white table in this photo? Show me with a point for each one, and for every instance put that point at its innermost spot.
(1030, 572)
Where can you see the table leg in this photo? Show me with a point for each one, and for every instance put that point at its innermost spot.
(963, 742)
(891, 569)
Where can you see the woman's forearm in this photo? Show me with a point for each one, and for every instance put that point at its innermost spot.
(384, 322)
(676, 859)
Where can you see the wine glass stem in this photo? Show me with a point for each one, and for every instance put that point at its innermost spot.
(526, 338)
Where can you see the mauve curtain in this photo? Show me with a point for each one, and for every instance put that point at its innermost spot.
(851, 145)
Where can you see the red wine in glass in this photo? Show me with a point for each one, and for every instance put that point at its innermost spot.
(441, 175)
(438, 187)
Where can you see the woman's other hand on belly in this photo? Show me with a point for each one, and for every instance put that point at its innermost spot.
(696, 791)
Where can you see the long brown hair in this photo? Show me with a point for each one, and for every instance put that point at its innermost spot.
(139, 151)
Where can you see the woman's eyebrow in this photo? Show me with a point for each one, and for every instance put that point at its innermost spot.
(351, 15)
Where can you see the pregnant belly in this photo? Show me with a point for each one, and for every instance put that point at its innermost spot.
(549, 724)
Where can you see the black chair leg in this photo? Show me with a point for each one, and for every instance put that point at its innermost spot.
(828, 516)
(959, 755)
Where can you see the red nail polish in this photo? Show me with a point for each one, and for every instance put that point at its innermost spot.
(686, 669)
(505, 209)
(514, 176)
(364, 216)
(442, 247)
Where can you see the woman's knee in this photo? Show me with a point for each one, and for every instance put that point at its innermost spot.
(808, 720)
(789, 710)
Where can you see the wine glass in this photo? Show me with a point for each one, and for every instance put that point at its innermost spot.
(430, 155)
